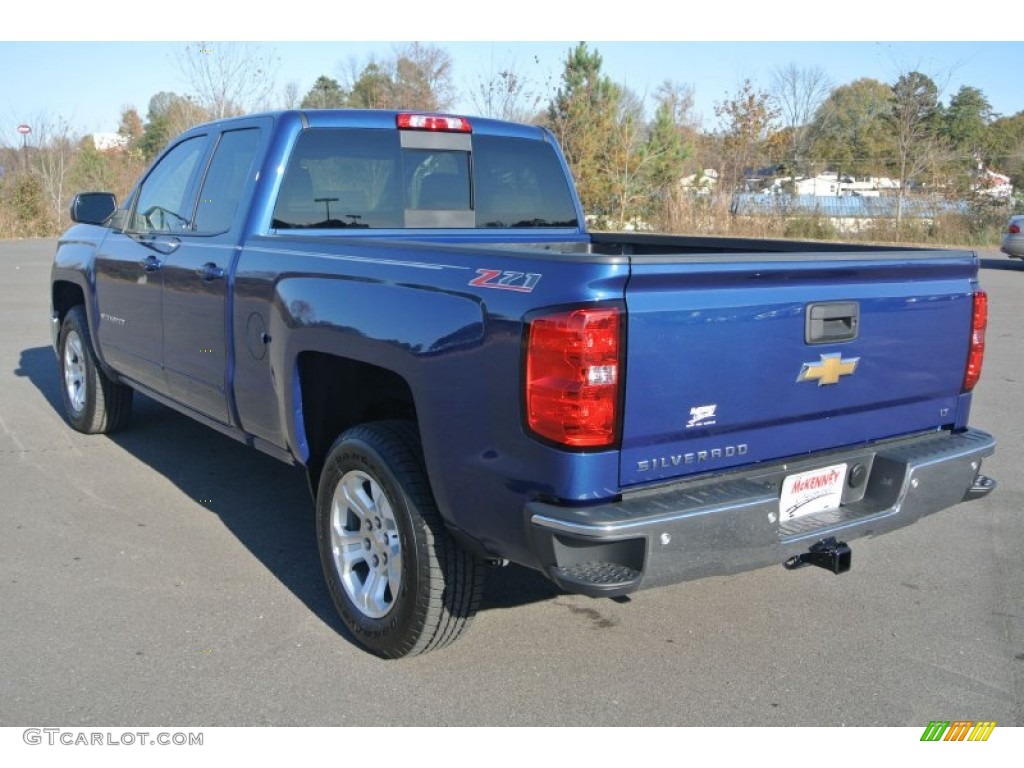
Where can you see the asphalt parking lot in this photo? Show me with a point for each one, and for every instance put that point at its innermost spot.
(167, 574)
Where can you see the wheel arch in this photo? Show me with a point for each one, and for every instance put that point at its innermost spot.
(64, 295)
(337, 393)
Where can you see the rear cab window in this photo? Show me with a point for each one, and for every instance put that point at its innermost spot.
(378, 178)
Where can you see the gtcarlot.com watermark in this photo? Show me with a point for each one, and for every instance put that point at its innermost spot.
(71, 738)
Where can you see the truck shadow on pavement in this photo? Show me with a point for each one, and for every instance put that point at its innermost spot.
(265, 503)
(1008, 264)
(39, 366)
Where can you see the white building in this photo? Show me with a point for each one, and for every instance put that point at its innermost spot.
(702, 183)
(829, 184)
(992, 184)
(104, 142)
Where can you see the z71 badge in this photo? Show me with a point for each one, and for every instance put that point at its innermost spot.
(523, 282)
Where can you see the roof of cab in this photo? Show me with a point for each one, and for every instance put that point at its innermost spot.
(385, 119)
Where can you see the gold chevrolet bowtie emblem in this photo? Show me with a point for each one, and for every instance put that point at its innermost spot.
(828, 370)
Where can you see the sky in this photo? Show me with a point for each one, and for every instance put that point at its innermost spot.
(85, 70)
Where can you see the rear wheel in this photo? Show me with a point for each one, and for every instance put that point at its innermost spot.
(397, 578)
(93, 402)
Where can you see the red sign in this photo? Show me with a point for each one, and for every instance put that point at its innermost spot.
(23, 129)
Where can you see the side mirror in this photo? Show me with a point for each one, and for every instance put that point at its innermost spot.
(92, 207)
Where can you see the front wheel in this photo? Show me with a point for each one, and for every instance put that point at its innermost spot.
(93, 402)
(401, 584)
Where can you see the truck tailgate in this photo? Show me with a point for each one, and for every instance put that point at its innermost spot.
(737, 359)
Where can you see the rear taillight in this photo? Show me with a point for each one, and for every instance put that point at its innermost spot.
(573, 375)
(979, 321)
(1014, 229)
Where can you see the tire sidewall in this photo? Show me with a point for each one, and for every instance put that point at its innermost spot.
(80, 420)
(395, 633)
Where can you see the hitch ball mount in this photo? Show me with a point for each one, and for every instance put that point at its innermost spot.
(828, 553)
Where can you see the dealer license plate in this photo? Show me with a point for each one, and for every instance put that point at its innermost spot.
(810, 492)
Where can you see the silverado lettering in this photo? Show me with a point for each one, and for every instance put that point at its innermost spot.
(690, 458)
(359, 292)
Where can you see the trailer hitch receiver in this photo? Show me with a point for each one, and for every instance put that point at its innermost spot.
(828, 553)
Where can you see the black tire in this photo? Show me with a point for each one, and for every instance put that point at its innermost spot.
(93, 402)
(374, 507)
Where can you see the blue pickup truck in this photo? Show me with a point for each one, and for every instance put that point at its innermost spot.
(410, 307)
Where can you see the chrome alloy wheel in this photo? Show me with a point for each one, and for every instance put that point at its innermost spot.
(365, 543)
(74, 371)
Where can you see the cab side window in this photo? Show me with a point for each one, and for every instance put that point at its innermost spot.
(225, 182)
(163, 204)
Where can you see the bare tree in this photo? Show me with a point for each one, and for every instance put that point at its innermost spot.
(291, 96)
(56, 147)
(229, 78)
(506, 94)
(798, 93)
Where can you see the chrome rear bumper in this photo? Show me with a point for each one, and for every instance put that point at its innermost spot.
(730, 523)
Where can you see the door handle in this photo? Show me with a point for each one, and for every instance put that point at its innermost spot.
(161, 244)
(209, 271)
(151, 264)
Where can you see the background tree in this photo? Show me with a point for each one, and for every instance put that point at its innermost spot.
(371, 88)
(23, 206)
(965, 127)
(169, 114)
(417, 77)
(851, 128)
(583, 115)
(625, 163)
(1004, 147)
(422, 78)
(92, 170)
(130, 163)
(55, 150)
(798, 92)
(109, 170)
(228, 78)
(966, 122)
(673, 132)
(506, 94)
(671, 140)
(747, 120)
(915, 124)
(326, 93)
(290, 96)
(130, 126)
